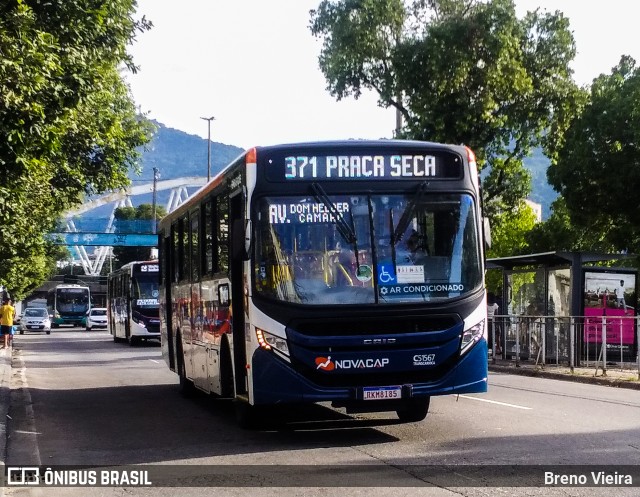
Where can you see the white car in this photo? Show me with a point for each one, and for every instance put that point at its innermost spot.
(96, 318)
(35, 319)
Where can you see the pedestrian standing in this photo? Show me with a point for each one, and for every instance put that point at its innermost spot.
(7, 314)
(492, 309)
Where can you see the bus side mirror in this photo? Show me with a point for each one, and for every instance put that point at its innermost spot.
(486, 225)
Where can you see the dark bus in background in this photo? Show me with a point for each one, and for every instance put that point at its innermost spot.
(68, 304)
(294, 276)
(132, 302)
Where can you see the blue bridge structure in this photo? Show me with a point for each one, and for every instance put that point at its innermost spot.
(91, 247)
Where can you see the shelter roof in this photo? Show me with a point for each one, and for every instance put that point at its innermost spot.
(553, 259)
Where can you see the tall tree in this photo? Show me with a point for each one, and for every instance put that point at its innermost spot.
(459, 71)
(597, 167)
(68, 124)
(558, 232)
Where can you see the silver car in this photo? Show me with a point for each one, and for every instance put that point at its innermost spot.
(35, 319)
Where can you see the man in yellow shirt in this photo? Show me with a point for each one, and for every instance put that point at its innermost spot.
(7, 313)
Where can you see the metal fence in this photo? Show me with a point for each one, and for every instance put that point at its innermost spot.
(587, 341)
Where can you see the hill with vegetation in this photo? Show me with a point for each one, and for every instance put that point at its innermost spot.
(177, 154)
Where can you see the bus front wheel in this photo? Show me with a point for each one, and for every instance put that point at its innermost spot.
(414, 410)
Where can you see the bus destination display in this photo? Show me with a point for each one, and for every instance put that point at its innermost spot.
(364, 167)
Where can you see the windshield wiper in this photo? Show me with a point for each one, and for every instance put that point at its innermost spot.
(344, 229)
(347, 232)
(405, 219)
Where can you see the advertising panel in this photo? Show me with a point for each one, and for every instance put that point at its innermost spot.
(610, 295)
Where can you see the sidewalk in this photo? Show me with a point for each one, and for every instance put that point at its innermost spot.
(5, 392)
(614, 377)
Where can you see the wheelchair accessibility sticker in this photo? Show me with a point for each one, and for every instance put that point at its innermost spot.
(403, 274)
(386, 275)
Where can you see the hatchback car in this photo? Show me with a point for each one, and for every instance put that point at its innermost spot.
(96, 318)
(35, 319)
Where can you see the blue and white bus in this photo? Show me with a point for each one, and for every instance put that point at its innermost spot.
(132, 302)
(347, 272)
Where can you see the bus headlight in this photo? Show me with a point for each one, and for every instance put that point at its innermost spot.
(267, 341)
(471, 336)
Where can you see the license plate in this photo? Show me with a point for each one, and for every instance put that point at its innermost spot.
(33, 327)
(381, 393)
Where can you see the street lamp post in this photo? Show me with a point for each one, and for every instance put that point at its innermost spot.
(156, 175)
(208, 119)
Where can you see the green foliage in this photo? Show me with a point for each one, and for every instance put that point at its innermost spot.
(559, 233)
(459, 71)
(68, 125)
(597, 167)
(509, 237)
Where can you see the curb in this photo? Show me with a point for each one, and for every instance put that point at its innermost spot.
(5, 394)
(538, 373)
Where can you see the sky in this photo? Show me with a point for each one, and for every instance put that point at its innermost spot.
(253, 66)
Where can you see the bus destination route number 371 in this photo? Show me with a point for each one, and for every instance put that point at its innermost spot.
(346, 272)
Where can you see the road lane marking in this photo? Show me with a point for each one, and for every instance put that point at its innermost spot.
(496, 402)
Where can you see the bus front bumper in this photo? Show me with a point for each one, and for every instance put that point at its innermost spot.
(275, 381)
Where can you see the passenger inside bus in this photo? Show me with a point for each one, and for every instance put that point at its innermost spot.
(417, 248)
(342, 264)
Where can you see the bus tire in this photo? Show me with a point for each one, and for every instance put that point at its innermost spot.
(133, 341)
(414, 410)
(226, 372)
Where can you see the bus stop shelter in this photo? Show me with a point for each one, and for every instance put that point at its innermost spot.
(556, 286)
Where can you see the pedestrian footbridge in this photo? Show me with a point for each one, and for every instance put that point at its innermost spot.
(92, 242)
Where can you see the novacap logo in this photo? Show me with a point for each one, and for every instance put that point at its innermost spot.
(326, 364)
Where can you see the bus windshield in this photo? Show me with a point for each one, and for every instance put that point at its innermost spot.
(72, 299)
(145, 290)
(367, 249)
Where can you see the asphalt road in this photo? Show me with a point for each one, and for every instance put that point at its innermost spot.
(78, 398)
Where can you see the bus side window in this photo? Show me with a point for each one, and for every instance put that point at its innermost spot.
(208, 223)
(223, 234)
(185, 247)
(195, 246)
(175, 253)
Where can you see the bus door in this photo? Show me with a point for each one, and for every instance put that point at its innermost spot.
(168, 302)
(236, 213)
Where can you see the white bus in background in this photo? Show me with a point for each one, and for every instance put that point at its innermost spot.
(132, 302)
